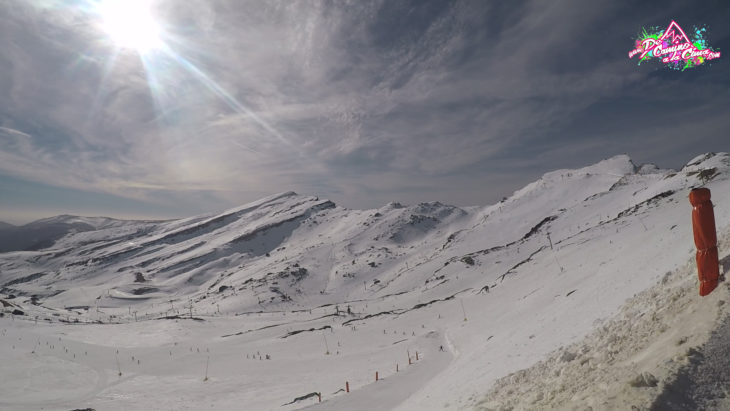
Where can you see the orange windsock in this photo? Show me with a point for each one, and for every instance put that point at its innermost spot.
(703, 225)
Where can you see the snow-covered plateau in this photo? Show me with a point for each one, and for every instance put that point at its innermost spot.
(577, 292)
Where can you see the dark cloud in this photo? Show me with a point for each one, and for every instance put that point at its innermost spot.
(364, 102)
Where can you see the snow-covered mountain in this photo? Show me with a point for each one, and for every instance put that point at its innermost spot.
(43, 233)
(334, 295)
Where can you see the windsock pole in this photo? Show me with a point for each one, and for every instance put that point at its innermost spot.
(705, 236)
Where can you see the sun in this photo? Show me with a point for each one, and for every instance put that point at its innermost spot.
(130, 24)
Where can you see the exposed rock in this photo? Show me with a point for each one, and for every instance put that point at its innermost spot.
(645, 379)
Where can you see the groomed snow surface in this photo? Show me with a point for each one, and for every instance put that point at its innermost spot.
(577, 292)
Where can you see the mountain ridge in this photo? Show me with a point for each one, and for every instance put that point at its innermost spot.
(550, 261)
(257, 229)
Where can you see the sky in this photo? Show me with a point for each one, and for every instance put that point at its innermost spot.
(195, 106)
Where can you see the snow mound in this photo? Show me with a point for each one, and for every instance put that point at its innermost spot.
(629, 360)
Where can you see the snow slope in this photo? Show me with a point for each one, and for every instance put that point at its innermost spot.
(334, 295)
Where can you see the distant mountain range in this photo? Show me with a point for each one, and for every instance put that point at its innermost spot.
(44, 233)
(294, 245)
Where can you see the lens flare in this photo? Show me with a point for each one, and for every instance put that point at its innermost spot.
(130, 24)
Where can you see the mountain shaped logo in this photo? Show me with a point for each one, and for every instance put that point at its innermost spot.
(674, 47)
(670, 33)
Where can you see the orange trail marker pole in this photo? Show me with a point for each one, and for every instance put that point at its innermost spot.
(705, 236)
(347, 386)
(376, 375)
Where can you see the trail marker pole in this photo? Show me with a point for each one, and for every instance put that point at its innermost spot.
(347, 386)
(118, 367)
(550, 240)
(206, 368)
(376, 376)
(326, 345)
(562, 269)
(462, 309)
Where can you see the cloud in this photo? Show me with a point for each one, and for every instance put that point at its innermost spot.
(361, 101)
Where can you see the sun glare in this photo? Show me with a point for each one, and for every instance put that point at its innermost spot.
(130, 24)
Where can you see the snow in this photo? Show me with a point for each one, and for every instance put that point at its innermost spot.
(590, 280)
(653, 333)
